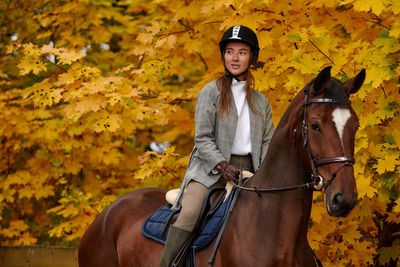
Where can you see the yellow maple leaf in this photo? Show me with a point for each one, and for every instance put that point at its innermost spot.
(352, 235)
(376, 150)
(364, 187)
(265, 38)
(395, 6)
(361, 143)
(12, 47)
(395, 30)
(67, 78)
(384, 109)
(20, 177)
(387, 164)
(395, 133)
(15, 228)
(294, 82)
(107, 123)
(376, 6)
(161, 42)
(363, 52)
(25, 192)
(144, 172)
(67, 57)
(68, 211)
(252, 21)
(27, 239)
(309, 63)
(48, 49)
(31, 63)
(371, 119)
(171, 41)
(396, 207)
(386, 45)
(393, 217)
(44, 191)
(146, 38)
(91, 104)
(377, 74)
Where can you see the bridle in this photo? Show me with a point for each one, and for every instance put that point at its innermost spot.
(318, 183)
(318, 180)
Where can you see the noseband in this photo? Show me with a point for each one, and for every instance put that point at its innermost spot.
(317, 179)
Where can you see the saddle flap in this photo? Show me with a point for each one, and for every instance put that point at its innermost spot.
(214, 199)
(154, 225)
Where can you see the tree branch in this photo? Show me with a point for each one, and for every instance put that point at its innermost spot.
(202, 60)
(325, 55)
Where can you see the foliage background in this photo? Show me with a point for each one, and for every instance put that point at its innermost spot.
(86, 86)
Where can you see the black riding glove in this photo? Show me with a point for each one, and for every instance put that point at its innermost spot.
(228, 171)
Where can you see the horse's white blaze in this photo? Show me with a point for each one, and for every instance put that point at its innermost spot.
(340, 117)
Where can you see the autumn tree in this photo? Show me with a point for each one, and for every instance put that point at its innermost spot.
(86, 86)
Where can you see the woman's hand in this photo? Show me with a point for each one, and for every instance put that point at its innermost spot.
(228, 171)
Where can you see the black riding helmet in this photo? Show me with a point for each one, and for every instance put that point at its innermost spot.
(240, 33)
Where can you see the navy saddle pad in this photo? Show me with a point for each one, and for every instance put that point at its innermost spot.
(154, 224)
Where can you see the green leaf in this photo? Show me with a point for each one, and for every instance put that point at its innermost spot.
(128, 101)
(57, 163)
(389, 139)
(384, 33)
(294, 37)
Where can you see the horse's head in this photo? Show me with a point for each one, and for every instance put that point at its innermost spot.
(329, 127)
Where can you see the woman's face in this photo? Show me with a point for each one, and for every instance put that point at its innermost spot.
(237, 56)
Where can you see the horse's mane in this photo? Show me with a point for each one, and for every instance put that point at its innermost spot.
(335, 91)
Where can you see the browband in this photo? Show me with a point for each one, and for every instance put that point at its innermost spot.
(328, 101)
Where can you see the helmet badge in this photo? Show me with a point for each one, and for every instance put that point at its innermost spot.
(235, 32)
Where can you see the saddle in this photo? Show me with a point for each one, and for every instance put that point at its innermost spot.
(212, 202)
(212, 219)
(213, 212)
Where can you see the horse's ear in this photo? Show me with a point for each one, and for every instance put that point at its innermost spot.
(322, 80)
(352, 85)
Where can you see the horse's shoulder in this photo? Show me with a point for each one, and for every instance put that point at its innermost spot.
(141, 198)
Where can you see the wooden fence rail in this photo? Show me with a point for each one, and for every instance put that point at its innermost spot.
(38, 256)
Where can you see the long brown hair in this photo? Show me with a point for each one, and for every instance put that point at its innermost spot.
(224, 84)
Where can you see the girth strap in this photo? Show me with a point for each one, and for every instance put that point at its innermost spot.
(221, 231)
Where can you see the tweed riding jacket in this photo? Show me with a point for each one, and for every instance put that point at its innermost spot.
(214, 136)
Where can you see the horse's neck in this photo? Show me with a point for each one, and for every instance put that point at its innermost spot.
(280, 218)
(280, 167)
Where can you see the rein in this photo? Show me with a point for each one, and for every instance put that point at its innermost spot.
(317, 181)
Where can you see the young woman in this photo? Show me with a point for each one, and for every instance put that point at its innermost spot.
(233, 130)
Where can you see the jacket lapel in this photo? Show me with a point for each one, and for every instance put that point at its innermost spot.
(254, 126)
(233, 118)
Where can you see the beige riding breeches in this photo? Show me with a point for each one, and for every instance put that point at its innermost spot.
(193, 197)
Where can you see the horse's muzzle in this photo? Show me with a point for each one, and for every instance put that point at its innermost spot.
(338, 206)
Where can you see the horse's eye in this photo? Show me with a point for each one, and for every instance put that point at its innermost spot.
(315, 126)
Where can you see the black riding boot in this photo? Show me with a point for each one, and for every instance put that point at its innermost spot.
(175, 240)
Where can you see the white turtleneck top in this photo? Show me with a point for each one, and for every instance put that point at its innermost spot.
(242, 141)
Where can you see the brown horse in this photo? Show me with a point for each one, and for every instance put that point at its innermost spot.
(312, 145)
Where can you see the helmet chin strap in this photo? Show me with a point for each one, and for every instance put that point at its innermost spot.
(236, 77)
